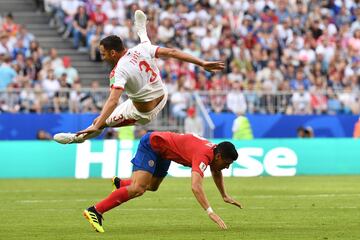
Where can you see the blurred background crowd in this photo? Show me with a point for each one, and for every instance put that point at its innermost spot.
(282, 56)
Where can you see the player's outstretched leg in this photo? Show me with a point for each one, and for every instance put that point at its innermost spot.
(140, 25)
(68, 138)
(94, 218)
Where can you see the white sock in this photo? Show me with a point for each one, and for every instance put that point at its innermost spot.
(143, 37)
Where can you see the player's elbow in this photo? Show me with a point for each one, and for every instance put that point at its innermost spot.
(171, 53)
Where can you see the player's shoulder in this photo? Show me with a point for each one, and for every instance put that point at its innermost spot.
(143, 47)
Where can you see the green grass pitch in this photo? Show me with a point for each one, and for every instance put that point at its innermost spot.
(323, 207)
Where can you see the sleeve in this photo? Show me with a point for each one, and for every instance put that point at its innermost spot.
(119, 79)
(199, 164)
(152, 49)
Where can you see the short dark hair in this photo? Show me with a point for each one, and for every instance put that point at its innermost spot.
(227, 151)
(112, 42)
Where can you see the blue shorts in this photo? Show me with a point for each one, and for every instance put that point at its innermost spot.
(147, 160)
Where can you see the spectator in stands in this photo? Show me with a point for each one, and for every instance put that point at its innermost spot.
(300, 132)
(35, 47)
(98, 16)
(334, 105)
(25, 35)
(71, 72)
(7, 73)
(179, 101)
(235, 100)
(43, 135)
(9, 26)
(62, 96)
(116, 10)
(305, 132)
(241, 128)
(356, 133)
(68, 11)
(193, 123)
(28, 99)
(19, 48)
(6, 47)
(31, 69)
(217, 98)
(55, 61)
(301, 101)
(300, 81)
(318, 98)
(42, 102)
(309, 132)
(97, 96)
(166, 30)
(50, 84)
(80, 28)
(95, 35)
(11, 100)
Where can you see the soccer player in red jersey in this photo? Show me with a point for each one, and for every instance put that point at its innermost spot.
(152, 160)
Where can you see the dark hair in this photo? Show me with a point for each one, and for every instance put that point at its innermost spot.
(112, 42)
(227, 151)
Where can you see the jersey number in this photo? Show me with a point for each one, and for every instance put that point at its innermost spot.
(143, 65)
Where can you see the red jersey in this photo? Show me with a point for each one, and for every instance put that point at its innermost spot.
(185, 149)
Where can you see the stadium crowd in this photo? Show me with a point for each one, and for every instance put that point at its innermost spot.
(282, 56)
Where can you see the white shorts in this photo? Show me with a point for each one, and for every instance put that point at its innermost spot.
(126, 114)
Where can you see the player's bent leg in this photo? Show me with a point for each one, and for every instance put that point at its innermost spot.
(124, 114)
(140, 181)
(155, 183)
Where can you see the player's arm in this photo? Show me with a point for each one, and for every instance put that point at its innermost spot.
(108, 108)
(219, 182)
(198, 191)
(180, 55)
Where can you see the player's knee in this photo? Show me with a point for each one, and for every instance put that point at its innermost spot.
(139, 190)
(153, 188)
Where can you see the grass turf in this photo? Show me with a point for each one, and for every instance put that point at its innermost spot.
(324, 207)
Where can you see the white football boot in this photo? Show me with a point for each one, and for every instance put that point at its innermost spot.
(67, 138)
(140, 25)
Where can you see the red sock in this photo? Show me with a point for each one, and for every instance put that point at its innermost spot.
(125, 182)
(116, 198)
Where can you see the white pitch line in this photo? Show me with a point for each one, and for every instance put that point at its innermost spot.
(221, 208)
(288, 196)
(301, 195)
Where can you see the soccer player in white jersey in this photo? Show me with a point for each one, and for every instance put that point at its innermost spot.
(134, 71)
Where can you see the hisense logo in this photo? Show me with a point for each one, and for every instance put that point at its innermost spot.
(115, 159)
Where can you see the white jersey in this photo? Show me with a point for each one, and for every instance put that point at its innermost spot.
(136, 72)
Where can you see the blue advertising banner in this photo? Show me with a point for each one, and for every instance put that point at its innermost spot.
(285, 126)
(265, 157)
(25, 126)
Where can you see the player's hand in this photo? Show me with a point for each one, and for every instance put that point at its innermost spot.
(213, 216)
(213, 66)
(230, 200)
(89, 130)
